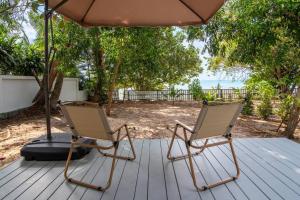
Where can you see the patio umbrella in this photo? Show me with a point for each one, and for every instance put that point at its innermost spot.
(127, 13)
(137, 12)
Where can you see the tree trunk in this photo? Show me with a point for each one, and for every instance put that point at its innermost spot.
(112, 87)
(56, 90)
(293, 120)
(39, 97)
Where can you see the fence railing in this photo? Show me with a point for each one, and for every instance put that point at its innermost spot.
(181, 95)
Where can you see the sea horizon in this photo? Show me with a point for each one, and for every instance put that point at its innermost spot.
(209, 84)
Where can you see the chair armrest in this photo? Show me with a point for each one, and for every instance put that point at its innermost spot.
(184, 126)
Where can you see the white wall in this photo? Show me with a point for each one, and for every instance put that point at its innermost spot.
(17, 92)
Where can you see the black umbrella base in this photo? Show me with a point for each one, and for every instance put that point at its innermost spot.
(55, 149)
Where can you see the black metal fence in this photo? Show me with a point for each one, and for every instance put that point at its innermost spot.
(179, 95)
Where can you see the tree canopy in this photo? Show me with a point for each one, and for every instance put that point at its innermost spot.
(262, 36)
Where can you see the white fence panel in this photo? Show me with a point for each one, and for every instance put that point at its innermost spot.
(17, 92)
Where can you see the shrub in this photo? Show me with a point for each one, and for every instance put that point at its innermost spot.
(210, 96)
(238, 93)
(196, 90)
(264, 91)
(264, 109)
(285, 107)
(174, 93)
(248, 106)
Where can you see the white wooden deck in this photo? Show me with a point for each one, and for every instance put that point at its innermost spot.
(270, 169)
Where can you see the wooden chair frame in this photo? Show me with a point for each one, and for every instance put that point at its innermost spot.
(115, 145)
(188, 144)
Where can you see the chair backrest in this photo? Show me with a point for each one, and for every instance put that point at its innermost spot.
(87, 119)
(216, 120)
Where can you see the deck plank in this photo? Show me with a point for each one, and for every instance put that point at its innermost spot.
(279, 168)
(269, 170)
(91, 174)
(21, 178)
(279, 152)
(66, 189)
(284, 145)
(119, 171)
(249, 187)
(170, 174)
(29, 182)
(60, 180)
(233, 187)
(10, 168)
(141, 188)
(44, 182)
(205, 174)
(267, 173)
(185, 184)
(128, 182)
(157, 184)
(15, 173)
(200, 177)
(262, 178)
(102, 176)
(267, 150)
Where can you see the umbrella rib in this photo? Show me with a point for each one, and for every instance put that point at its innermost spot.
(57, 6)
(87, 11)
(193, 11)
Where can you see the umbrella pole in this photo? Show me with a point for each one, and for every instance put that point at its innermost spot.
(56, 146)
(46, 72)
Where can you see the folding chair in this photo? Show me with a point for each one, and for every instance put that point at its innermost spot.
(89, 120)
(214, 119)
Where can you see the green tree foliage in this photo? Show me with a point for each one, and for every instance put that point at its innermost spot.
(210, 96)
(17, 57)
(285, 107)
(265, 92)
(13, 14)
(174, 93)
(196, 90)
(248, 107)
(157, 57)
(261, 36)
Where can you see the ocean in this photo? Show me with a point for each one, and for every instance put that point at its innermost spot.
(209, 84)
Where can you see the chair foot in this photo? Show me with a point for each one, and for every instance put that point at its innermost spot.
(99, 188)
(175, 158)
(118, 157)
(205, 187)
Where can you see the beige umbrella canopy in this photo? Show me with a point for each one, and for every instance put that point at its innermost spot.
(138, 12)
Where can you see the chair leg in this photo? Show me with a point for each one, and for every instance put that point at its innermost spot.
(175, 158)
(122, 157)
(234, 159)
(205, 187)
(171, 145)
(100, 188)
(131, 144)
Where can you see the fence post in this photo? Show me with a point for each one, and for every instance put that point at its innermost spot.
(157, 95)
(221, 94)
(128, 93)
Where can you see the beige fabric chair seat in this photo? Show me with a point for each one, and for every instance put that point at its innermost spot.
(214, 120)
(89, 120)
